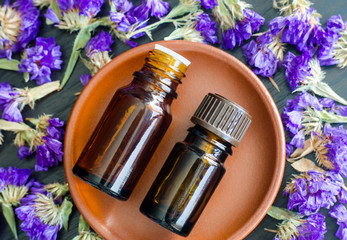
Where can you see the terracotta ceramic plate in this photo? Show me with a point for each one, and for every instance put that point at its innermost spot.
(253, 173)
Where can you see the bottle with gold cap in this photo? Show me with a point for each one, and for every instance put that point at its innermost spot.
(195, 166)
(132, 126)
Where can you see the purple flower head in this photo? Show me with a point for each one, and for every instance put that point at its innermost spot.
(21, 25)
(340, 213)
(24, 152)
(86, 8)
(122, 5)
(157, 8)
(260, 57)
(313, 191)
(85, 78)
(90, 8)
(100, 43)
(42, 214)
(14, 176)
(297, 69)
(128, 15)
(336, 144)
(41, 59)
(9, 103)
(276, 25)
(301, 29)
(49, 154)
(207, 28)
(243, 29)
(208, 4)
(313, 228)
(332, 31)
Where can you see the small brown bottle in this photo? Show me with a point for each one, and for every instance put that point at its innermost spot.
(132, 126)
(195, 166)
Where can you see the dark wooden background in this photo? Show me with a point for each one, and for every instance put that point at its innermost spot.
(60, 104)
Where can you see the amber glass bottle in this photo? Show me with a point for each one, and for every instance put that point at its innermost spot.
(195, 166)
(132, 126)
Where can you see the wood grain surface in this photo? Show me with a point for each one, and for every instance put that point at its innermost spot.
(60, 104)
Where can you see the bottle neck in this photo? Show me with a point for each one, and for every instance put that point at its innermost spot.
(162, 71)
(209, 143)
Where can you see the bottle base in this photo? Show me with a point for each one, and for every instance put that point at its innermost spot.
(97, 182)
(153, 212)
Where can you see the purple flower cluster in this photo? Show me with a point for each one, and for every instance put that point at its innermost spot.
(300, 29)
(41, 60)
(297, 69)
(340, 213)
(9, 103)
(313, 228)
(334, 26)
(157, 8)
(260, 57)
(13, 176)
(84, 8)
(293, 115)
(127, 15)
(208, 4)
(243, 29)
(17, 34)
(100, 43)
(336, 144)
(50, 152)
(29, 212)
(207, 28)
(314, 191)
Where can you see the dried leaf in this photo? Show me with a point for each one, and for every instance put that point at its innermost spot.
(309, 146)
(304, 164)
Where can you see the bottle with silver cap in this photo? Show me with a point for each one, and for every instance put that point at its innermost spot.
(132, 126)
(195, 166)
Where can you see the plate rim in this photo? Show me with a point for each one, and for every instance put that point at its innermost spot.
(270, 195)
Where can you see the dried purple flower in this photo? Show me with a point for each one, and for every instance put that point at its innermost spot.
(336, 145)
(14, 185)
(12, 101)
(129, 17)
(24, 152)
(201, 29)
(157, 8)
(207, 28)
(49, 154)
(335, 26)
(100, 43)
(303, 30)
(12, 178)
(294, 226)
(340, 213)
(208, 4)
(40, 60)
(297, 69)
(43, 214)
(261, 57)
(311, 191)
(242, 30)
(74, 15)
(85, 78)
(313, 228)
(20, 25)
(97, 50)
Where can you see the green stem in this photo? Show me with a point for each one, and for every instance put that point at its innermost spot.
(11, 65)
(80, 42)
(8, 212)
(281, 213)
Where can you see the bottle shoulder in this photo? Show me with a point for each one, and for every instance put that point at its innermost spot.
(209, 158)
